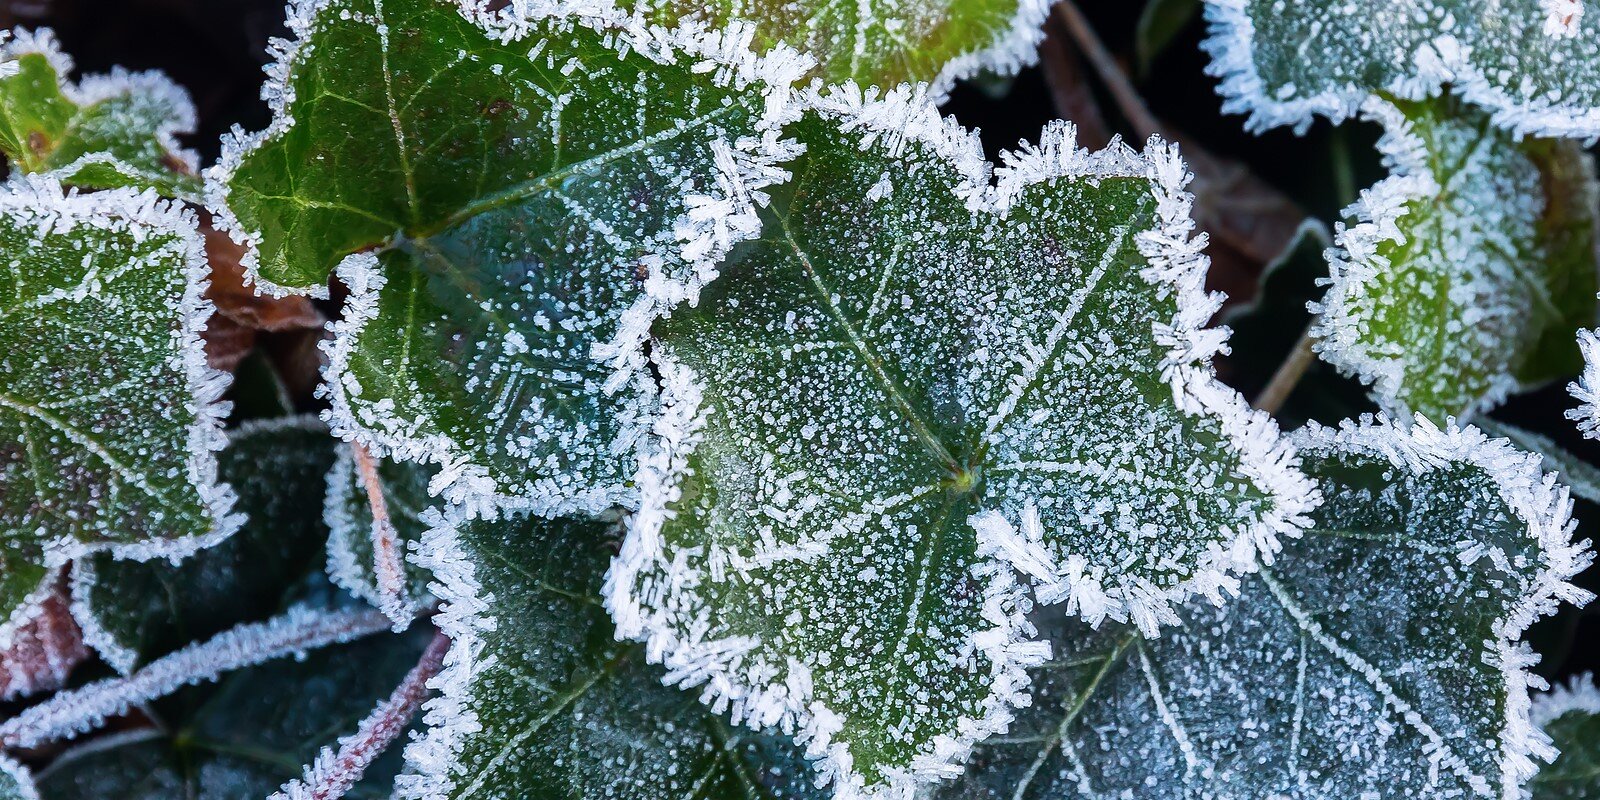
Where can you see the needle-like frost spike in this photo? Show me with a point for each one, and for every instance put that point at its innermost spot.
(911, 383)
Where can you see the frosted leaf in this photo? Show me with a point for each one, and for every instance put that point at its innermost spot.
(1579, 476)
(882, 42)
(538, 188)
(40, 653)
(348, 515)
(16, 782)
(1285, 61)
(105, 131)
(109, 417)
(1465, 274)
(1378, 656)
(243, 738)
(538, 700)
(1570, 715)
(133, 612)
(910, 382)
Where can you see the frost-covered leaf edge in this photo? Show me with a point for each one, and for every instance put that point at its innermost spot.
(341, 565)
(1177, 264)
(91, 89)
(21, 776)
(1579, 476)
(1586, 389)
(1230, 41)
(1538, 499)
(82, 577)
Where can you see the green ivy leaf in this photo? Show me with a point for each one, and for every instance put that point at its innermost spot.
(133, 612)
(912, 381)
(244, 738)
(539, 701)
(1570, 716)
(108, 415)
(1534, 65)
(538, 187)
(1378, 655)
(348, 515)
(1467, 273)
(106, 131)
(881, 42)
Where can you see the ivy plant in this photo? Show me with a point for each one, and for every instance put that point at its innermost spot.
(704, 414)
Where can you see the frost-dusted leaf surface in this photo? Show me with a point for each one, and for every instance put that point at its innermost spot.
(881, 42)
(16, 783)
(107, 131)
(1570, 715)
(107, 424)
(531, 189)
(886, 369)
(563, 710)
(1283, 61)
(1377, 656)
(241, 739)
(348, 515)
(1467, 273)
(138, 611)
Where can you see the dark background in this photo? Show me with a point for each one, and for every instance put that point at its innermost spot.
(217, 48)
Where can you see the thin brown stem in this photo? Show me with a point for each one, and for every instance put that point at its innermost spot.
(387, 565)
(1288, 375)
(1110, 72)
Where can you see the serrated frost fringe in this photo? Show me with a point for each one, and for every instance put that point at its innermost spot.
(334, 773)
(20, 775)
(1537, 499)
(42, 199)
(1445, 60)
(1587, 387)
(1579, 694)
(71, 713)
(656, 614)
(83, 578)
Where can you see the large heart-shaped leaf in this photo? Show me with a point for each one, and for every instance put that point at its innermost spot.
(1534, 65)
(1467, 273)
(1379, 656)
(1570, 715)
(537, 188)
(132, 612)
(910, 382)
(106, 131)
(352, 557)
(109, 419)
(541, 703)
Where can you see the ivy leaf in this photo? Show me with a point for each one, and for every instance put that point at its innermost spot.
(865, 428)
(107, 131)
(16, 782)
(538, 699)
(108, 413)
(881, 42)
(1379, 655)
(348, 516)
(1536, 69)
(1570, 715)
(134, 612)
(538, 187)
(1465, 274)
(246, 736)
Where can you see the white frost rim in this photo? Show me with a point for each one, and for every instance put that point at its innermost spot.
(1587, 387)
(1578, 694)
(40, 200)
(1536, 498)
(673, 631)
(1444, 60)
(1015, 48)
(21, 776)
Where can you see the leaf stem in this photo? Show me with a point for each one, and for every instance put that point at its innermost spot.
(1288, 374)
(1111, 74)
(387, 566)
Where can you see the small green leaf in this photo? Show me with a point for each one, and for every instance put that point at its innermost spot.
(540, 702)
(1377, 656)
(348, 515)
(1467, 273)
(245, 737)
(536, 188)
(1570, 716)
(910, 381)
(133, 612)
(1534, 65)
(108, 415)
(107, 131)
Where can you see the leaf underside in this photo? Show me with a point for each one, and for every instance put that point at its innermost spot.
(880, 366)
(348, 514)
(1369, 660)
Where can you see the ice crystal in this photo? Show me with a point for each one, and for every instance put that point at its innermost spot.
(538, 186)
(1465, 274)
(1579, 476)
(105, 131)
(1570, 715)
(109, 417)
(1286, 61)
(911, 382)
(1379, 656)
